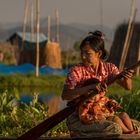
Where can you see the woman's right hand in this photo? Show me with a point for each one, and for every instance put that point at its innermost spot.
(101, 87)
(98, 87)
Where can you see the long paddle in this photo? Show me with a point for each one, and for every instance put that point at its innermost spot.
(52, 121)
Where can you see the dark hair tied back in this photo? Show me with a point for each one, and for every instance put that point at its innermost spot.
(97, 34)
(96, 41)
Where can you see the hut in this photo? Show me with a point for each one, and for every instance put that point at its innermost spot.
(25, 52)
(118, 44)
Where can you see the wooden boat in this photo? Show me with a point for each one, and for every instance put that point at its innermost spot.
(96, 137)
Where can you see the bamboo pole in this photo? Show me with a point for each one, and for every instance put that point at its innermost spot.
(32, 21)
(37, 36)
(138, 68)
(57, 25)
(101, 14)
(49, 31)
(24, 23)
(129, 32)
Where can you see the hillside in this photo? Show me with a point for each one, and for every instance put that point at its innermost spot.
(68, 33)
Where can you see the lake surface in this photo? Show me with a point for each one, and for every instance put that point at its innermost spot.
(48, 96)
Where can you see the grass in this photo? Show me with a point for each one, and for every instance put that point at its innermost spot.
(129, 100)
(31, 80)
(116, 89)
(29, 84)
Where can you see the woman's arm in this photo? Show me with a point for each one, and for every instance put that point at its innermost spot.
(70, 94)
(126, 81)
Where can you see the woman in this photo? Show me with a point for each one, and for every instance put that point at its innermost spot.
(93, 65)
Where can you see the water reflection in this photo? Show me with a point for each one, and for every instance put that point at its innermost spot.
(54, 103)
(41, 98)
(49, 96)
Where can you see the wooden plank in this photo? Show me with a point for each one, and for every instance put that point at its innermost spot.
(96, 137)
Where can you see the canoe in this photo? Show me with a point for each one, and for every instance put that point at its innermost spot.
(96, 137)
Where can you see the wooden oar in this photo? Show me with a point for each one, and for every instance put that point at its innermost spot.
(49, 123)
(119, 76)
(46, 125)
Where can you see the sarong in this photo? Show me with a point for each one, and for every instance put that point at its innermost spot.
(99, 127)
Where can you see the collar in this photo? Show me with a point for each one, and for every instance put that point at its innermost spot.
(101, 68)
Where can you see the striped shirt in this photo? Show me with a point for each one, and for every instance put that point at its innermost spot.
(79, 73)
(92, 109)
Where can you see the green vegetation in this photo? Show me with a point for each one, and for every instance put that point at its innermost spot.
(129, 100)
(17, 118)
(70, 57)
(131, 104)
(18, 80)
(29, 84)
(118, 91)
(8, 52)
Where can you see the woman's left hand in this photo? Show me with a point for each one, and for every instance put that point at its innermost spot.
(128, 73)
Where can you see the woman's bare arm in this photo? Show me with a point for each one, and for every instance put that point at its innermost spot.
(126, 81)
(70, 94)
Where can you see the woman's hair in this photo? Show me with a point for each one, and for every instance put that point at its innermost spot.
(96, 41)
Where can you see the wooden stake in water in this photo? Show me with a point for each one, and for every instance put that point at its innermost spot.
(57, 25)
(49, 31)
(37, 37)
(32, 22)
(138, 69)
(24, 23)
(128, 36)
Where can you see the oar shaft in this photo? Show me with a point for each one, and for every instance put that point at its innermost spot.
(119, 76)
(46, 125)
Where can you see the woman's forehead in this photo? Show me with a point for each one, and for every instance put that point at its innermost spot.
(87, 48)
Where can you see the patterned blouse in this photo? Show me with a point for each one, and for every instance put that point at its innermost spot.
(92, 109)
(79, 73)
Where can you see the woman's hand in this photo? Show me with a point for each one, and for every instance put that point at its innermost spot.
(101, 87)
(126, 80)
(127, 73)
(98, 87)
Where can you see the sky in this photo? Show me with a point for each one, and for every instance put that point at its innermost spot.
(92, 12)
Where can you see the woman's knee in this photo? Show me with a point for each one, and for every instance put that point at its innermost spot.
(116, 119)
(123, 115)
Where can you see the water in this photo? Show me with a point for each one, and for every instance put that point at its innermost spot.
(49, 96)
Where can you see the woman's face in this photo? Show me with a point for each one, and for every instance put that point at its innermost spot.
(89, 56)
